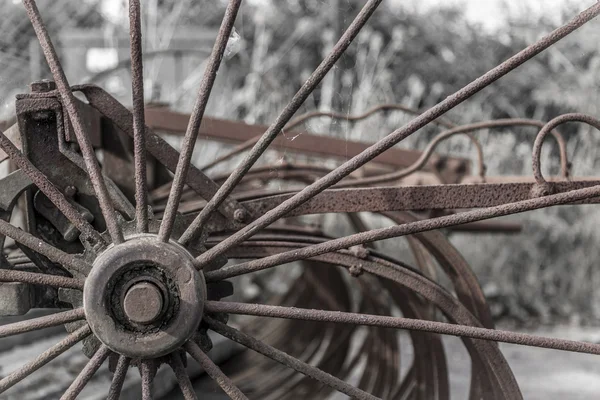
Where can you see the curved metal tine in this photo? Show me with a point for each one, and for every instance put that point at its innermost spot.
(316, 114)
(39, 246)
(189, 141)
(148, 372)
(48, 188)
(86, 373)
(69, 102)
(443, 328)
(214, 372)
(398, 135)
(119, 378)
(42, 322)
(139, 123)
(283, 118)
(7, 275)
(287, 360)
(183, 379)
(15, 377)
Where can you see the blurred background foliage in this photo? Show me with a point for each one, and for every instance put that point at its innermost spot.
(408, 55)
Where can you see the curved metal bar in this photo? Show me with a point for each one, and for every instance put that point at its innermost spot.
(486, 355)
(395, 137)
(189, 141)
(330, 114)
(47, 321)
(429, 151)
(421, 162)
(267, 138)
(69, 102)
(550, 126)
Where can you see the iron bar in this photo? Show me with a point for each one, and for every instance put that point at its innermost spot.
(86, 374)
(287, 360)
(435, 112)
(283, 118)
(40, 279)
(52, 253)
(183, 379)
(42, 322)
(51, 191)
(147, 371)
(69, 102)
(402, 230)
(442, 328)
(15, 377)
(114, 393)
(549, 127)
(214, 372)
(189, 141)
(139, 123)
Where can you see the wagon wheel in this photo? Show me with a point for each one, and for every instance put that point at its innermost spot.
(145, 291)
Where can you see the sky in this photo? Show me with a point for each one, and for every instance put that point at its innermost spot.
(491, 13)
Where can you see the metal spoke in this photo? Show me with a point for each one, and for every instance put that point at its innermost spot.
(214, 372)
(147, 371)
(183, 379)
(69, 102)
(52, 253)
(283, 118)
(402, 230)
(40, 279)
(189, 141)
(139, 124)
(48, 188)
(287, 360)
(42, 322)
(86, 374)
(443, 328)
(435, 112)
(119, 378)
(44, 358)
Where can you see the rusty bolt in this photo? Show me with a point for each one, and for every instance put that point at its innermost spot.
(70, 191)
(240, 215)
(356, 270)
(42, 86)
(143, 303)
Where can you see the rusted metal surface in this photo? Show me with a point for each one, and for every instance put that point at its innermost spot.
(146, 281)
(164, 120)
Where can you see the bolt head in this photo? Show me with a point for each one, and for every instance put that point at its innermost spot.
(42, 86)
(143, 303)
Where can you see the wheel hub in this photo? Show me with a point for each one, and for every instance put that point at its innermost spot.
(144, 298)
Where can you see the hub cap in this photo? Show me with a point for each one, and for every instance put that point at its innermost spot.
(144, 298)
